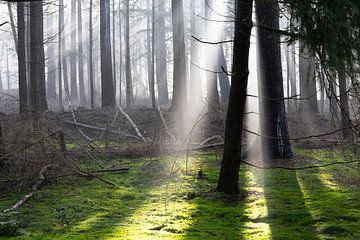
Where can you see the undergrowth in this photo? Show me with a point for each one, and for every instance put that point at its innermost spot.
(321, 203)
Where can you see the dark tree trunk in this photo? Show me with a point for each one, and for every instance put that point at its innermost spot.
(150, 52)
(73, 78)
(160, 48)
(179, 100)
(274, 129)
(344, 106)
(63, 49)
(114, 49)
(91, 69)
(81, 56)
(107, 87)
(129, 86)
(307, 82)
(37, 66)
(222, 76)
(21, 60)
(120, 54)
(229, 174)
(60, 32)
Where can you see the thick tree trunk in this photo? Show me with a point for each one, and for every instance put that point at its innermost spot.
(129, 85)
(107, 87)
(222, 76)
(37, 69)
(73, 78)
(160, 48)
(179, 100)
(21, 60)
(81, 56)
(307, 82)
(274, 128)
(229, 174)
(91, 68)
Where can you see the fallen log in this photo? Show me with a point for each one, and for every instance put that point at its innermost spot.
(216, 137)
(164, 123)
(133, 125)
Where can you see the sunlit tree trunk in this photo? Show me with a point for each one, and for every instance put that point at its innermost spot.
(307, 82)
(129, 85)
(228, 181)
(37, 66)
(107, 87)
(91, 69)
(21, 60)
(81, 56)
(223, 75)
(160, 51)
(274, 130)
(179, 100)
(73, 78)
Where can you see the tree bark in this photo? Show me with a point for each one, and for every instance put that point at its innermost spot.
(63, 49)
(73, 78)
(160, 51)
(129, 86)
(91, 67)
(12, 23)
(60, 32)
(21, 60)
(344, 106)
(81, 56)
(51, 68)
(107, 87)
(274, 130)
(223, 76)
(179, 100)
(228, 181)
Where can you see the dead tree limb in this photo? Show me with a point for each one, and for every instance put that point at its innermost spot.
(34, 188)
(164, 123)
(216, 137)
(133, 125)
(90, 174)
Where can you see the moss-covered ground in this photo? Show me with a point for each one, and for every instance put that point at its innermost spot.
(320, 203)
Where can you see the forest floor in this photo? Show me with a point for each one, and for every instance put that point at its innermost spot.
(318, 203)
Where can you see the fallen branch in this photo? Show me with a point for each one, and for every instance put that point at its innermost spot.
(216, 137)
(90, 174)
(136, 129)
(34, 188)
(164, 123)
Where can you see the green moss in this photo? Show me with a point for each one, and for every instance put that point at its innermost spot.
(279, 204)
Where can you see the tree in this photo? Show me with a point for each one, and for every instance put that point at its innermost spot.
(21, 60)
(107, 87)
(81, 56)
(37, 57)
(179, 100)
(91, 68)
(73, 78)
(223, 75)
(63, 49)
(51, 68)
(60, 32)
(150, 51)
(344, 106)
(129, 87)
(228, 181)
(160, 52)
(275, 137)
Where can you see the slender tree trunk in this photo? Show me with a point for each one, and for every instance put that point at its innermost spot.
(8, 71)
(81, 56)
(344, 106)
(223, 77)
(60, 32)
(51, 68)
(12, 23)
(1, 84)
(107, 87)
(150, 51)
(37, 70)
(21, 60)
(91, 70)
(129, 86)
(63, 50)
(274, 128)
(120, 55)
(179, 100)
(229, 174)
(160, 52)
(114, 48)
(73, 78)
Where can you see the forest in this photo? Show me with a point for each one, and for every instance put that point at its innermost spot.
(180, 119)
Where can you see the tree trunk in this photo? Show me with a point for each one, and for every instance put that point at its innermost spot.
(120, 55)
(51, 68)
(60, 32)
(21, 60)
(129, 86)
(114, 49)
(63, 49)
(179, 100)
(37, 66)
(160, 51)
(307, 82)
(344, 106)
(91, 70)
(150, 51)
(81, 56)
(222, 76)
(229, 174)
(73, 78)
(107, 87)
(273, 123)
(12, 23)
